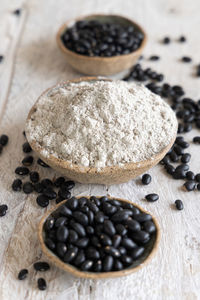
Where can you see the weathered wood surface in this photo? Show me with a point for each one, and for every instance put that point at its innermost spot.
(33, 63)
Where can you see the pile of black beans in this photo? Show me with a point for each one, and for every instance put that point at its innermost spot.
(99, 234)
(94, 38)
(58, 188)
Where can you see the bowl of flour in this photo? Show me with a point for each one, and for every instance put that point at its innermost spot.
(95, 130)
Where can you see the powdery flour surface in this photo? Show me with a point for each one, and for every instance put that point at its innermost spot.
(102, 123)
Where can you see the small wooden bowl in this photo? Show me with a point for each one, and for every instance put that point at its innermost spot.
(137, 265)
(107, 175)
(100, 65)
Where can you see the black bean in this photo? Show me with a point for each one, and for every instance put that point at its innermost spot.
(87, 265)
(42, 163)
(22, 171)
(197, 177)
(42, 200)
(50, 244)
(70, 254)
(95, 200)
(28, 187)
(118, 265)
(92, 253)
(105, 239)
(190, 175)
(189, 185)
(50, 193)
(61, 249)
(128, 243)
(149, 226)
(99, 217)
(127, 260)
(42, 284)
(137, 252)
(27, 161)
(115, 202)
(61, 221)
(90, 230)
(120, 216)
(109, 228)
(173, 156)
(38, 187)
(179, 204)
(80, 258)
(108, 263)
(17, 185)
(182, 39)
(34, 177)
(123, 250)
(187, 127)
(170, 169)
(112, 251)
(41, 266)
(3, 210)
(182, 167)
(73, 236)
(72, 203)
(140, 236)
(133, 225)
(196, 140)
(116, 240)
(46, 182)
(26, 147)
(93, 207)
(186, 158)
(146, 179)
(166, 40)
(152, 197)
(121, 229)
(59, 181)
(82, 201)
(183, 144)
(78, 228)
(68, 184)
(109, 209)
(90, 215)
(98, 266)
(23, 274)
(65, 211)
(186, 59)
(64, 193)
(49, 223)
(104, 199)
(62, 233)
(142, 217)
(3, 140)
(154, 57)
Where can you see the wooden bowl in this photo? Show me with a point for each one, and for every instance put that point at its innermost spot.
(107, 175)
(137, 265)
(100, 65)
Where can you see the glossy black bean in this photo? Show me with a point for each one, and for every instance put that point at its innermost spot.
(190, 185)
(92, 253)
(140, 236)
(149, 226)
(154, 57)
(99, 217)
(50, 193)
(59, 181)
(95, 200)
(105, 239)
(26, 147)
(49, 223)
(104, 199)
(87, 265)
(187, 127)
(42, 200)
(82, 243)
(34, 177)
(28, 187)
(186, 59)
(80, 258)
(17, 185)
(42, 163)
(170, 169)
(137, 252)
(123, 250)
(186, 158)
(22, 171)
(178, 150)
(80, 217)
(197, 177)
(196, 140)
(64, 193)
(116, 240)
(65, 211)
(182, 167)
(179, 174)
(109, 228)
(38, 187)
(78, 228)
(41, 284)
(3, 140)
(108, 263)
(146, 179)
(90, 215)
(97, 266)
(50, 244)
(190, 175)
(41, 266)
(46, 182)
(152, 197)
(61, 249)
(112, 251)
(127, 260)
(62, 233)
(61, 221)
(70, 254)
(93, 207)
(3, 210)
(128, 243)
(89, 230)
(68, 184)
(82, 201)
(109, 209)
(115, 202)
(23, 274)
(142, 217)
(133, 225)
(73, 236)
(84, 209)
(118, 265)
(121, 229)
(179, 204)
(27, 161)
(173, 156)
(120, 216)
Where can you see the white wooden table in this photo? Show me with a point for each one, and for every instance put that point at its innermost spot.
(32, 63)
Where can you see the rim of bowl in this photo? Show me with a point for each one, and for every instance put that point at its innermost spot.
(83, 274)
(64, 26)
(83, 169)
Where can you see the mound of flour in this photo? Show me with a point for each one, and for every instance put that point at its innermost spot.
(101, 123)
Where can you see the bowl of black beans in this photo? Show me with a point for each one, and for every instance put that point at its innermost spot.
(101, 44)
(99, 237)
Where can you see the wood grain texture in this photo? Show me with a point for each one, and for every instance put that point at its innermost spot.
(38, 64)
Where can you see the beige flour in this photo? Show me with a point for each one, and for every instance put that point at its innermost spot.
(102, 123)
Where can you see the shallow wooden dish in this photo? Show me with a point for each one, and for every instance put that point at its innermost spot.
(148, 254)
(107, 175)
(100, 65)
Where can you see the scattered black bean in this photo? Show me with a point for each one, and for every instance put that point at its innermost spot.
(186, 158)
(34, 177)
(154, 57)
(42, 163)
(190, 185)
(17, 185)
(22, 171)
(42, 200)
(38, 187)
(186, 59)
(23, 274)
(196, 140)
(3, 140)
(41, 266)
(166, 40)
(146, 179)
(179, 204)
(152, 197)
(27, 161)
(182, 39)
(26, 147)
(42, 284)
(3, 210)
(28, 187)
(190, 175)
(68, 185)
(59, 181)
